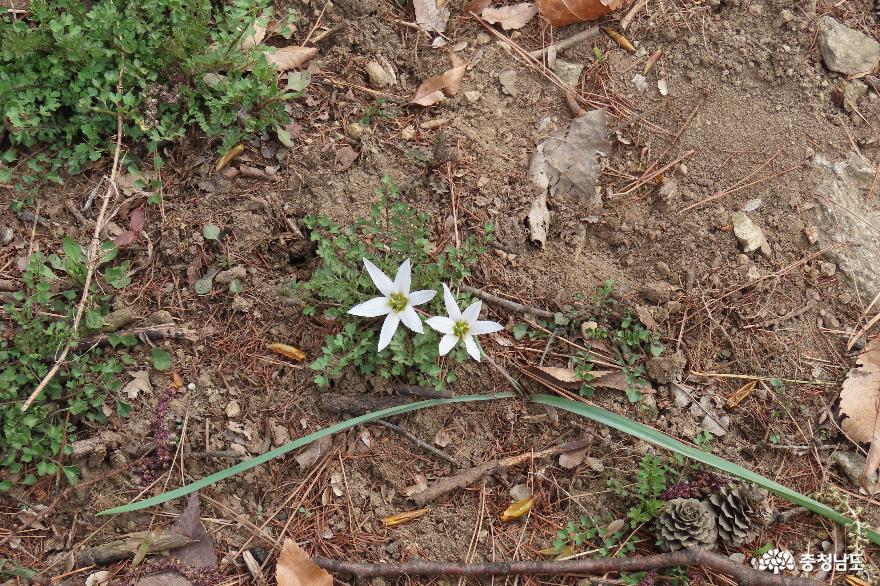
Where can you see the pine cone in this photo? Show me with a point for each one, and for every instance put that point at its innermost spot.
(742, 513)
(688, 523)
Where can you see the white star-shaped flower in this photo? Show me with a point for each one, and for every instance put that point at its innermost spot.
(461, 325)
(397, 302)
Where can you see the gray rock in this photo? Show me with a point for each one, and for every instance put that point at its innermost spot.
(851, 464)
(380, 75)
(647, 406)
(640, 82)
(658, 292)
(569, 73)
(846, 50)
(667, 369)
(6, 235)
(226, 277)
(785, 16)
(852, 91)
(749, 235)
(508, 82)
(681, 398)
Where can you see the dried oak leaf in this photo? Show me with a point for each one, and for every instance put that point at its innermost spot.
(296, 568)
(512, 16)
(860, 404)
(431, 15)
(437, 89)
(561, 12)
(284, 58)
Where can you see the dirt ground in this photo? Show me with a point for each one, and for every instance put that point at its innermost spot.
(750, 106)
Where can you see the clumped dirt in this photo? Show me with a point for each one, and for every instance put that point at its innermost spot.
(749, 108)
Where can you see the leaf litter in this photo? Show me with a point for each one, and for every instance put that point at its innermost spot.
(510, 17)
(296, 568)
(436, 89)
(860, 405)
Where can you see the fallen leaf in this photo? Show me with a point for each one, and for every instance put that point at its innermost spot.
(508, 82)
(431, 15)
(561, 12)
(517, 509)
(420, 486)
(663, 87)
(741, 393)
(139, 383)
(296, 568)
(309, 456)
(291, 352)
(345, 158)
(652, 60)
(539, 220)
(860, 404)
(615, 526)
(230, 154)
(566, 376)
(572, 459)
(442, 438)
(643, 312)
(565, 165)
(253, 36)
(285, 58)
(476, 6)
(189, 524)
(176, 381)
(854, 581)
(437, 89)
(136, 219)
(401, 518)
(512, 16)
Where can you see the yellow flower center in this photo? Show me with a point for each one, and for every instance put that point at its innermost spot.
(461, 329)
(398, 301)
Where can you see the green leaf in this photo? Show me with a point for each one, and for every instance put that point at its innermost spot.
(284, 137)
(5, 175)
(71, 473)
(161, 358)
(204, 285)
(235, 286)
(280, 451)
(72, 249)
(211, 232)
(520, 330)
(648, 434)
(122, 408)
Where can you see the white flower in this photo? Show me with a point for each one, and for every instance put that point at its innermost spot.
(461, 325)
(397, 302)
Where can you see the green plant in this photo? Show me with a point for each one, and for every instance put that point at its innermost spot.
(605, 536)
(651, 482)
(381, 109)
(703, 440)
(165, 66)
(33, 443)
(393, 232)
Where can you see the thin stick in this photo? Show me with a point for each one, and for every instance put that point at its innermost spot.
(733, 190)
(93, 260)
(627, 18)
(506, 304)
(565, 43)
(744, 575)
(424, 445)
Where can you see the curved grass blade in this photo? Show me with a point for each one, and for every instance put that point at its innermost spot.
(297, 443)
(646, 433)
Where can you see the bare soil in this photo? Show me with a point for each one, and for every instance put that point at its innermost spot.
(749, 102)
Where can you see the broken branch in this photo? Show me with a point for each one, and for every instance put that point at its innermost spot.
(506, 304)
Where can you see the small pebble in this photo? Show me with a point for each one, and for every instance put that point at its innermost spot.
(6, 235)
(233, 409)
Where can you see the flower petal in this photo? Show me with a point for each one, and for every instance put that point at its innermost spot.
(389, 326)
(403, 278)
(411, 319)
(451, 306)
(374, 307)
(485, 327)
(423, 296)
(472, 347)
(442, 324)
(381, 280)
(447, 343)
(472, 312)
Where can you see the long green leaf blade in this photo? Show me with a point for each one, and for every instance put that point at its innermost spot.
(297, 443)
(628, 426)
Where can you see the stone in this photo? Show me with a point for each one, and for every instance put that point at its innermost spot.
(827, 268)
(640, 82)
(233, 409)
(845, 50)
(569, 73)
(658, 291)
(749, 235)
(226, 277)
(355, 130)
(757, 9)
(6, 235)
(483, 38)
(667, 369)
(647, 407)
(784, 17)
(851, 92)
(679, 396)
(667, 193)
(508, 82)
(280, 435)
(851, 464)
(472, 96)
(240, 304)
(811, 233)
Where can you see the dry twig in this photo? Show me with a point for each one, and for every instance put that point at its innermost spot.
(507, 304)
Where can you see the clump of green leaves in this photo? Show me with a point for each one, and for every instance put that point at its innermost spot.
(33, 443)
(604, 533)
(393, 232)
(650, 484)
(167, 66)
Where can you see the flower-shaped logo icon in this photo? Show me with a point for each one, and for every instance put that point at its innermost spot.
(776, 561)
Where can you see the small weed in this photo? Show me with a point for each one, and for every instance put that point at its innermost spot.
(704, 441)
(393, 232)
(606, 536)
(379, 109)
(33, 443)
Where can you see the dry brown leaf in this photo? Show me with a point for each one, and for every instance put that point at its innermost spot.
(476, 6)
(621, 40)
(253, 36)
(512, 16)
(741, 393)
(230, 154)
(296, 568)
(517, 509)
(860, 404)
(561, 12)
(405, 517)
(284, 58)
(431, 15)
(437, 89)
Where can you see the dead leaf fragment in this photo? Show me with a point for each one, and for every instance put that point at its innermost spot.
(437, 89)
(442, 438)
(199, 554)
(295, 568)
(539, 220)
(139, 383)
(405, 517)
(309, 456)
(284, 58)
(860, 404)
(291, 352)
(740, 395)
(431, 15)
(621, 40)
(560, 12)
(253, 36)
(517, 509)
(512, 16)
(230, 154)
(573, 459)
